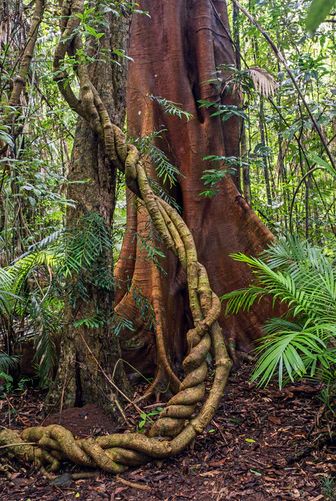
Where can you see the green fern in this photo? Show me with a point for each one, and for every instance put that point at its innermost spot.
(223, 111)
(85, 243)
(153, 253)
(171, 108)
(120, 323)
(42, 312)
(34, 286)
(90, 322)
(164, 168)
(159, 191)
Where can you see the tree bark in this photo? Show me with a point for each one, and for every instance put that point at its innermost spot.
(90, 368)
(175, 53)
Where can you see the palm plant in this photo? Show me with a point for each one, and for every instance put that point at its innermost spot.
(301, 343)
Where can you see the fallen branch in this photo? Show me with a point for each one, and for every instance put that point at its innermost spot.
(133, 485)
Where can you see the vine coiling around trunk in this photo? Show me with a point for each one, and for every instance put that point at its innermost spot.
(187, 413)
(48, 446)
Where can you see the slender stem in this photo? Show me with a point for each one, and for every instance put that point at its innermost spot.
(284, 61)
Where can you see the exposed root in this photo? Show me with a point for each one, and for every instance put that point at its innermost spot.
(188, 412)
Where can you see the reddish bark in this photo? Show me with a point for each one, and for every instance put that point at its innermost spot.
(176, 51)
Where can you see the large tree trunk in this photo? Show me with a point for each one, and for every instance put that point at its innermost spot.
(90, 368)
(175, 52)
(185, 38)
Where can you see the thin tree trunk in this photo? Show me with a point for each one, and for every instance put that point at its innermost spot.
(245, 182)
(264, 154)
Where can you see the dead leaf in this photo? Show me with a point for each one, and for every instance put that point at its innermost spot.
(274, 419)
(211, 473)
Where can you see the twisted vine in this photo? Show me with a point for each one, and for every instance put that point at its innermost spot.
(188, 412)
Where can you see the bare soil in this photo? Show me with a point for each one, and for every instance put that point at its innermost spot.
(263, 445)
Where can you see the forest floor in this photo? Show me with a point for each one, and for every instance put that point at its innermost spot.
(262, 445)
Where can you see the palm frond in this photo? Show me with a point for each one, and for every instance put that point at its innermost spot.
(242, 299)
(7, 362)
(263, 81)
(277, 284)
(303, 277)
(287, 348)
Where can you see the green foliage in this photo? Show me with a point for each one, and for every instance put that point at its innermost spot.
(146, 417)
(246, 80)
(164, 168)
(317, 12)
(90, 322)
(6, 383)
(279, 145)
(42, 263)
(153, 253)
(119, 324)
(302, 342)
(7, 362)
(84, 243)
(211, 177)
(288, 174)
(5, 136)
(66, 262)
(224, 111)
(162, 193)
(328, 487)
(7, 292)
(172, 108)
(166, 171)
(144, 308)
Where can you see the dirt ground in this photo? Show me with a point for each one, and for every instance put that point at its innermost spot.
(263, 445)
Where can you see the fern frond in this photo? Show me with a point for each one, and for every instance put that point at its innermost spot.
(159, 191)
(83, 244)
(165, 169)
(120, 323)
(153, 253)
(143, 143)
(171, 108)
(42, 316)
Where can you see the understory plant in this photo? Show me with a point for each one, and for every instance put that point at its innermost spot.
(33, 288)
(302, 342)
